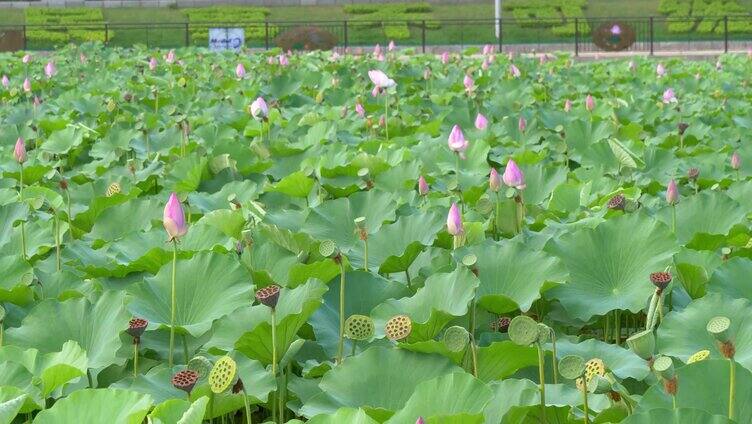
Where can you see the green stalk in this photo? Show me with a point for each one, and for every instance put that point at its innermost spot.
(650, 317)
(673, 216)
(135, 359)
(274, 343)
(471, 330)
(553, 353)
(542, 378)
(584, 401)
(457, 167)
(386, 113)
(496, 216)
(1, 332)
(660, 309)
(172, 300)
(617, 320)
(281, 408)
(365, 258)
(57, 240)
(606, 328)
(354, 345)
(732, 389)
(248, 418)
(185, 348)
(70, 226)
(341, 345)
(23, 228)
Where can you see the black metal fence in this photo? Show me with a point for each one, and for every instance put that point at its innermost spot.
(651, 34)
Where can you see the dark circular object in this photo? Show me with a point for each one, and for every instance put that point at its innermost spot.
(268, 296)
(136, 327)
(185, 380)
(306, 38)
(617, 202)
(614, 36)
(660, 279)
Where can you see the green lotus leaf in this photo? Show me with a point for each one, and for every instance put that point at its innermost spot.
(343, 415)
(676, 416)
(15, 379)
(15, 284)
(731, 277)
(702, 385)
(9, 216)
(296, 184)
(97, 203)
(60, 142)
(512, 275)
(98, 406)
(503, 359)
(11, 401)
(95, 325)
(694, 268)
(443, 296)
(396, 373)
(186, 173)
(180, 411)
(622, 362)
(609, 266)
(435, 347)
(684, 333)
(129, 217)
(445, 398)
(706, 213)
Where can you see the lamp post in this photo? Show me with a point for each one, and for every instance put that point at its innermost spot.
(497, 16)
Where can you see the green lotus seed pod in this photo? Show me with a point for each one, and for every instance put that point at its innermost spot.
(571, 366)
(222, 374)
(698, 356)
(456, 338)
(469, 259)
(360, 221)
(201, 365)
(664, 366)
(363, 172)
(599, 385)
(398, 327)
(523, 330)
(327, 248)
(642, 344)
(484, 206)
(544, 333)
(718, 327)
(359, 327)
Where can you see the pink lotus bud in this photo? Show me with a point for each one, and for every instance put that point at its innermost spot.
(589, 103)
(672, 193)
(468, 83)
(392, 46)
(481, 122)
(522, 124)
(152, 63)
(26, 58)
(567, 105)
(422, 186)
(494, 181)
(283, 61)
(19, 152)
(381, 57)
(170, 58)
(49, 69)
(632, 66)
(259, 109)
(27, 85)
(376, 50)
(484, 65)
(360, 110)
(420, 420)
(376, 91)
(271, 60)
(5, 81)
(736, 160)
(660, 70)
(513, 176)
(334, 57)
(379, 79)
(457, 142)
(488, 49)
(37, 101)
(174, 218)
(514, 70)
(445, 58)
(454, 221)
(427, 73)
(240, 71)
(382, 121)
(669, 96)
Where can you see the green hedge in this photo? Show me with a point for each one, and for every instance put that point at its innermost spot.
(393, 9)
(201, 20)
(76, 25)
(385, 15)
(706, 14)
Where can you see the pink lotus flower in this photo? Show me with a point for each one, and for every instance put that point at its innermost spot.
(49, 69)
(513, 176)
(660, 70)
(174, 218)
(5, 81)
(589, 103)
(567, 105)
(736, 160)
(616, 30)
(481, 122)
(420, 420)
(457, 142)
(488, 49)
(377, 50)
(27, 85)
(259, 109)
(672, 193)
(422, 186)
(240, 71)
(484, 65)
(26, 58)
(392, 46)
(669, 96)
(381, 57)
(494, 181)
(19, 152)
(468, 83)
(360, 110)
(454, 221)
(514, 70)
(271, 60)
(152, 63)
(375, 91)
(522, 124)
(427, 73)
(379, 79)
(283, 61)
(445, 58)
(170, 58)
(334, 57)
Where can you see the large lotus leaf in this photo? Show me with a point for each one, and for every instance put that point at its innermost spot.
(334, 219)
(96, 406)
(396, 373)
(207, 287)
(57, 368)
(363, 292)
(676, 416)
(11, 401)
(156, 383)
(622, 362)
(444, 296)
(95, 326)
(445, 398)
(704, 385)
(709, 212)
(512, 275)
(9, 216)
(16, 378)
(395, 246)
(683, 332)
(502, 359)
(250, 330)
(609, 266)
(15, 283)
(343, 415)
(732, 279)
(509, 393)
(60, 142)
(297, 184)
(186, 173)
(180, 411)
(541, 181)
(129, 217)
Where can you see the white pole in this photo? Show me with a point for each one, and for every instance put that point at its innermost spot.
(497, 15)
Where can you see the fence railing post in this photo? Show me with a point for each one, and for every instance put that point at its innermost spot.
(266, 35)
(187, 34)
(501, 36)
(576, 37)
(652, 49)
(725, 34)
(423, 36)
(344, 26)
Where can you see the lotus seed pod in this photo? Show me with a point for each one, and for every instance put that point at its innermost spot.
(500, 324)
(544, 333)
(664, 366)
(136, 327)
(599, 385)
(185, 380)
(617, 202)
(693, 173)
(698, 356)
(660, 279)
(594, 367)
(642, 344)
(328, 249)
(571, 367)
(718, 327)
(360, 221)
(112, 189)
(523, 330)
(359, 327)
(398, 327)
(201, 365)
(469, 259)
(682, 127)
(456, 338)
(268, 295)
(222, 374)
(484, 206)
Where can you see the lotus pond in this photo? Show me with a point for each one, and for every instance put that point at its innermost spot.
(191, 237)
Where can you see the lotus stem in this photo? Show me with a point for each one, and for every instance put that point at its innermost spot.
(673, 400)
(555, 366)
(156, 101)
(542, 384)
(471, 330)
(660, 309)
(135, 358)
(585, 402)
(606, 329)
(365, 254)
(354, 345)
(57, 241)
(67, 201)
(617, 321)
(386, 113)
(673, 218)
(185, 348)
(341, 346)
(172, 301)
(23, 228)
(650, 317)
(496, 216)
(409, 281)
(457, 168)
(274, 342)
(732, 389)
(248, 418)
(281, 401)
(2, 325)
